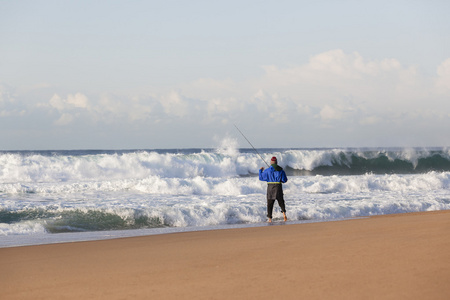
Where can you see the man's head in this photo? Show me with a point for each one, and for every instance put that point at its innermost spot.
(273, 160)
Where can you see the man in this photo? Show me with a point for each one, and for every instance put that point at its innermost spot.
(275, 176)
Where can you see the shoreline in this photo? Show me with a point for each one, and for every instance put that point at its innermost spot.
(398, 256)
(91, 236)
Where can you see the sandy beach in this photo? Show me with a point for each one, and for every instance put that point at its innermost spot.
(404, 256)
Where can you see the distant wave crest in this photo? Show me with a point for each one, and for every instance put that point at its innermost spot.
(29, 167)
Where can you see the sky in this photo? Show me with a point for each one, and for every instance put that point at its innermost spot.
(180, 74)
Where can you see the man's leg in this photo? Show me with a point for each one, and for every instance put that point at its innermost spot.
(270, 203)
(283, 208)
(272, 191)
(280, 199)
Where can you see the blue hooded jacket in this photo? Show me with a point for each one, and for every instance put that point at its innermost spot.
(273, 174)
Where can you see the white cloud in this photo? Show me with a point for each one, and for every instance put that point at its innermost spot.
(338, 87)
(72, 101)
(333, 75)
(13, 113)
(106, 108)
(274, 107)
(111, 107)
(443, 79)
(221, 109)
(78, 100)
(330, 113)
(333, 87)
(334, 90)
(175, 105)
(443, 69)
(9, 106)
(6, 95)
(56, 102)
(5, 113)
(65, 119)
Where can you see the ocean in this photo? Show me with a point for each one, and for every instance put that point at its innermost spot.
(64, 196)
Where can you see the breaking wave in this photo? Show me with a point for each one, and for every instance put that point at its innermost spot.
(83, 191)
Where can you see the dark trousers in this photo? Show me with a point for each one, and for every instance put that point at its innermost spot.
(274, 192)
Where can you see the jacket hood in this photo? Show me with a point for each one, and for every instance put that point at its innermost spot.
(276, 167)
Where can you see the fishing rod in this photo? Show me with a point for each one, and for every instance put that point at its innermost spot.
(252, 146)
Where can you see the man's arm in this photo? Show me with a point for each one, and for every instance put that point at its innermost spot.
(283, 177)
(262, 175)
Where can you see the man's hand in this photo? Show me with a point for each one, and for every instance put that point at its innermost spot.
(262, 169)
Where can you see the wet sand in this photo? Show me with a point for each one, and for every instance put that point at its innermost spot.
(404, 256)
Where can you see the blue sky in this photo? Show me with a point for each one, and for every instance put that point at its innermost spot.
(179, 74)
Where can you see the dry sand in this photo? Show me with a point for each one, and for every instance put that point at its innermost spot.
(405, 256)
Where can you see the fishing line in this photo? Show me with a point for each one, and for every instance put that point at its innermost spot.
(252, 145)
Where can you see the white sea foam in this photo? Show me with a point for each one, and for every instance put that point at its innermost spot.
(43, 193)
(22, 228)
(199, 185)
(208, 201)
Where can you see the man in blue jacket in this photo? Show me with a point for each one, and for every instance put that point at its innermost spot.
(275, 176)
